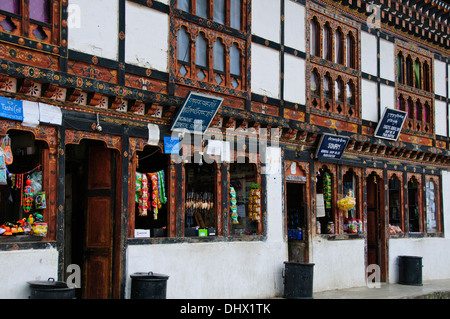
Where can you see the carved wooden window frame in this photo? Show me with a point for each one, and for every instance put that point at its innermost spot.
(34, 29)
(318, 102)
(437, 202)
(189, 73)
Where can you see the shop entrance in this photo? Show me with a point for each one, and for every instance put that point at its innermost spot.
(90, 218)
(296, 221)
(376, 222)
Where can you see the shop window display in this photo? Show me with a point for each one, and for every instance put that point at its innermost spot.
(348, 204)
(395, 207)
(324, 202)
(413, 205)
(245, 199)
(200, 210)
(22, 197)
(432, 208)
(151, 191)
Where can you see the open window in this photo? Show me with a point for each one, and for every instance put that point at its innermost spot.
(22, 187)
(324, 201)
(414, 208)
(432, 204)
(152, 191)
(200, 199)
(245, 199)
(396, 220)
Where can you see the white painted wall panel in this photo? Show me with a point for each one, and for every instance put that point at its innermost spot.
(440, 117)
(222, 269)
(97, 33)
(294, 25)
(146, 41)
(369, 100)
(266, 19)
(20, 266)
(439, 78)
(446, 203)
(294, 79)
(331, 268)
(368, 53)
(387, 97)
(265, 71)
(387, 60)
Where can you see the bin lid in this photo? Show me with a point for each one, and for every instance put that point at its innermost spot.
(50, 283)
(298, 263)
(148, 275)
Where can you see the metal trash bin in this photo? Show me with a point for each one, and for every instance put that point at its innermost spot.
(410, 270)
(298, 280)
(148, 285)
(50, 289)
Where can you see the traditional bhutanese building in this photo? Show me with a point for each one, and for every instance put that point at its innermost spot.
(323, 138)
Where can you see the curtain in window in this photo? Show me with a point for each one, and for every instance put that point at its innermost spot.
(326, 43)
(218, 56)
(184, 5)
(219, 11)
(400, 68)
(235, 60)
(201, 51)
(417, 74)
(313, 38)
(202, 8)
(350, 51)
(313, 83)
(10, 6)
(338, 48)
(183, 45)
(40, 10)
(235, 14)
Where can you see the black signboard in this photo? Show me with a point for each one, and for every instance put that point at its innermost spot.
(196, 113)
(391, 124)
(332, 146)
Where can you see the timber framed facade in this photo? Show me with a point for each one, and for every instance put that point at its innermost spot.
(295, 69)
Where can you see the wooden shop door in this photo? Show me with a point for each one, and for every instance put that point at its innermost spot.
(99, 230)
(376, 234)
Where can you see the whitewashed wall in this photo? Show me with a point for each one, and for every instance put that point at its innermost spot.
(294, 67)
(369, 108)
(368, 53)
(387, 97)
(294, 25)
(338, 264)
(439, 78)
(387, 60)
(147, 37)
(294, 79)
(21, 266)
(265, 71)
(440, 117)
(97, 32)
(435, 260)
(221, 269)
(266, 19)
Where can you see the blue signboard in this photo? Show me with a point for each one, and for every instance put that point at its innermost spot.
(391, 124)
(171, 145)
(11, 109)
(196, 113)
(332, 146)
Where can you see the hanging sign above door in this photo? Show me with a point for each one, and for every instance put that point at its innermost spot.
(196, 113)
(391, 124)
(331, 146)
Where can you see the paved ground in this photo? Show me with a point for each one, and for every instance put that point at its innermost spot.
(435, 289)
